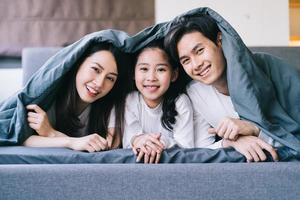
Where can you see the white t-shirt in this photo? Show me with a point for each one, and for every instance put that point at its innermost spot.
(139, 119)
(83, 117)
(210, 107)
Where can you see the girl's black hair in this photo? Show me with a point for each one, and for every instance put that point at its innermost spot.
(67, 99)
(169, 100)
(188, 24)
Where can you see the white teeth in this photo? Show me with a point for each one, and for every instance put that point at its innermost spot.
(205, 71)
(92, 90)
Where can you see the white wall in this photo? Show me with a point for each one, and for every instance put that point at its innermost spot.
(10, 82)
(259, 22)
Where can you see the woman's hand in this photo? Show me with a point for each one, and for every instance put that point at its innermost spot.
(252, 148)
(230, 128)
(38, 120)
(148, 146)
(90, 143)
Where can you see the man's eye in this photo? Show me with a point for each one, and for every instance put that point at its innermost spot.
(199, 51)
(185, 61)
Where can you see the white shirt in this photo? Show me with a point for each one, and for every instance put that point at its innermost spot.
(210, 107)
(140, 119)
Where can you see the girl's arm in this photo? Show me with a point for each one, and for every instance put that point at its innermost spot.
(183, 130)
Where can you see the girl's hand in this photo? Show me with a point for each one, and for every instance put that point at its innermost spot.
(148, 146)
(150, 140)
(90, 143)
(252, 148)
(231, 128)
(38, 120)
(153, 157)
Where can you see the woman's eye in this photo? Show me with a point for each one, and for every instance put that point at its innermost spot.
(96, 69)
(111, 79)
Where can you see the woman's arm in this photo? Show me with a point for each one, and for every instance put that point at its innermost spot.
(90, 143)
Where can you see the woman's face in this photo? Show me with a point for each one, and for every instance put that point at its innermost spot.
(201, 58)
(96, 76)
(153, 75)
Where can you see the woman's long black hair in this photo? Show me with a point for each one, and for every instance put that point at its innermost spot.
(67, 99)
(169, 98)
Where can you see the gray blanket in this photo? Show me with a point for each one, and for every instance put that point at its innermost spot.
(263, 88)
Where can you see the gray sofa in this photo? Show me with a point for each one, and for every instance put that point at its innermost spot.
(52, 173)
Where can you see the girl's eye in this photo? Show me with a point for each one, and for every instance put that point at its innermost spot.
(143, 69)
(161, 69)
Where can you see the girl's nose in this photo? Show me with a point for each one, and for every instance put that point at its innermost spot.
(151, 75)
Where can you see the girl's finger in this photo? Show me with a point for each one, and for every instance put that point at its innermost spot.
(140, 156)
(156, 141)
(152, 157)
(146, 158)
(153, 147)
(158, 155)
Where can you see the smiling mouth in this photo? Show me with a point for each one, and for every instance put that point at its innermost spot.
(151, 87)
(92, 91)
(204, 71)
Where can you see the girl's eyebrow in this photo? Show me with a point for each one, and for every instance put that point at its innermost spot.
(101, 67)
(142, 64)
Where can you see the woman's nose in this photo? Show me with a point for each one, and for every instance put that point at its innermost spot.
(99, 81)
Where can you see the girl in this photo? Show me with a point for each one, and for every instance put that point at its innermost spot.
(156, 116)
(88, 111)
(196, 43)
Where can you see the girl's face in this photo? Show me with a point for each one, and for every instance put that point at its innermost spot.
(153, 75)
(201, 58)
(96, 76)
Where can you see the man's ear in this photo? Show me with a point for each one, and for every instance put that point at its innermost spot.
(219, 39)
(174, 75)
